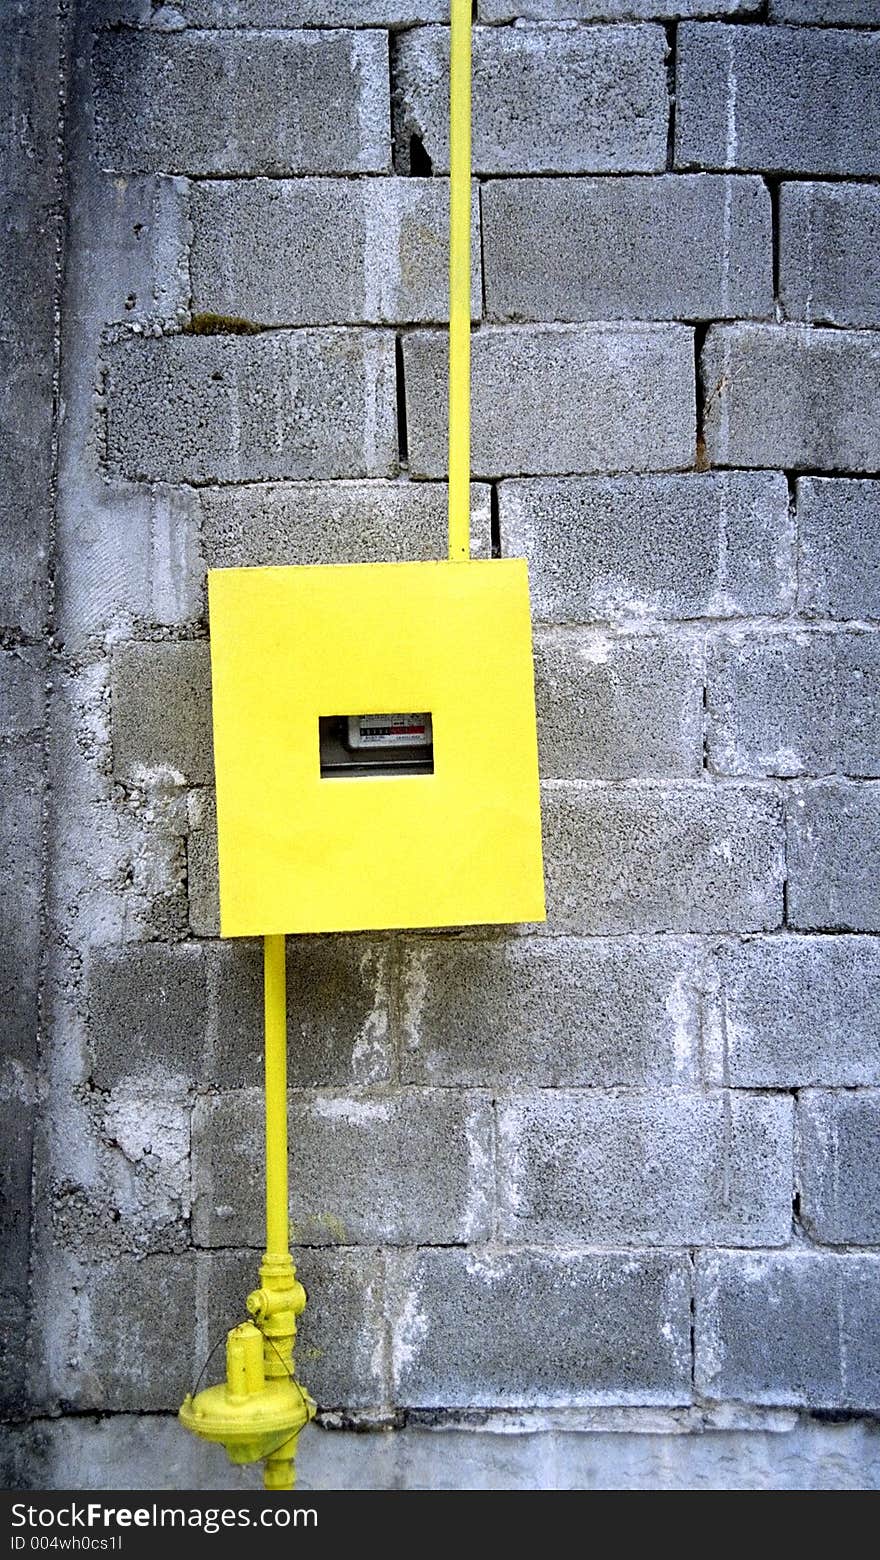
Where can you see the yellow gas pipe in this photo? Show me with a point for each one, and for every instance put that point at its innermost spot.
(260, 1409)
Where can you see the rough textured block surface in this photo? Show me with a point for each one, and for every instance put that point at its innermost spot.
(834, 857)
(783, 99)
(653, 1169)
(793, 397)
(148, 1007)
(791, 1011)
(839, 533)
(714, 545)
(17, 1120)
(265, 102)
(337, 1012)
(839, 1167)
(607, 10)
(23, 674)
(333, 522)
(653, 859)
(612, 1328)
(546, 100)
(793, 704)
(400, 1169)
(789, 1328)
(829, 238)
(679, 247)
(324, 251)
(233, 408)
(830, 13)
(29, 223)
(547, 399)
(161, 713)
(613, 708)
(545, 1012)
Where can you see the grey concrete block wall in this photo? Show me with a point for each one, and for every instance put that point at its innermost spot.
(616, 1172)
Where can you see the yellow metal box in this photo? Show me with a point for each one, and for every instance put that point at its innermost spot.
(334, 811)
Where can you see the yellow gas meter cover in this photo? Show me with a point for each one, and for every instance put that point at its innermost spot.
(426, 814)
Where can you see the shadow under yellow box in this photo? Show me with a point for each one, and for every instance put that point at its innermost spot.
(403, 845)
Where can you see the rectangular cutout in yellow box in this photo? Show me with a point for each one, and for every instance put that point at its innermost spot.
(338, 809)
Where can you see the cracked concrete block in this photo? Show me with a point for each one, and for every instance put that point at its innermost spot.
(673, 247)
(338, 998)
(257, 102)
(334, 522)
(657, 1169)
(161, 713)
(539, 1328)
(614, 709)
(793, 1328)
(148, 1013)
(340, 1348)
(834, 856)
(839, 530)
(662, 858)
(829, 239)
(546, 99)
(792, 396)
(796, 1011)
(718, 544)
(364, 1168)
(838, 1166)
(233, 408)
(794, 704)
(550, 1012)
(558, 399)
(778, 99)
(325, 251)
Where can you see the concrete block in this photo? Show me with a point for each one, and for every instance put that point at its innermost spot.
(559, 398)
(778, 99)
(789, 1328)
(22, 892)
(202, 882)
(716, 544)
(829, 238)
(308, 13)
(839, 532)
(257, 102)
(161, 713)
(340, 1353)
(792, 396)
(334, 522)
(797, 1011)
(539, 1328)
(337, 1012)
(834, 857)
(549, 1012)
(365, 1168)
(325, 251)
(29, 229)
(546, 99)
(603, 10)
(233, 408)
(838, 1166)
(616, 709)
(654, 1169)
(23, 673)
(676, 247)
(662, 859)
(148, 1014)
(826, 13)
(17, 1135)
(794, 704)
